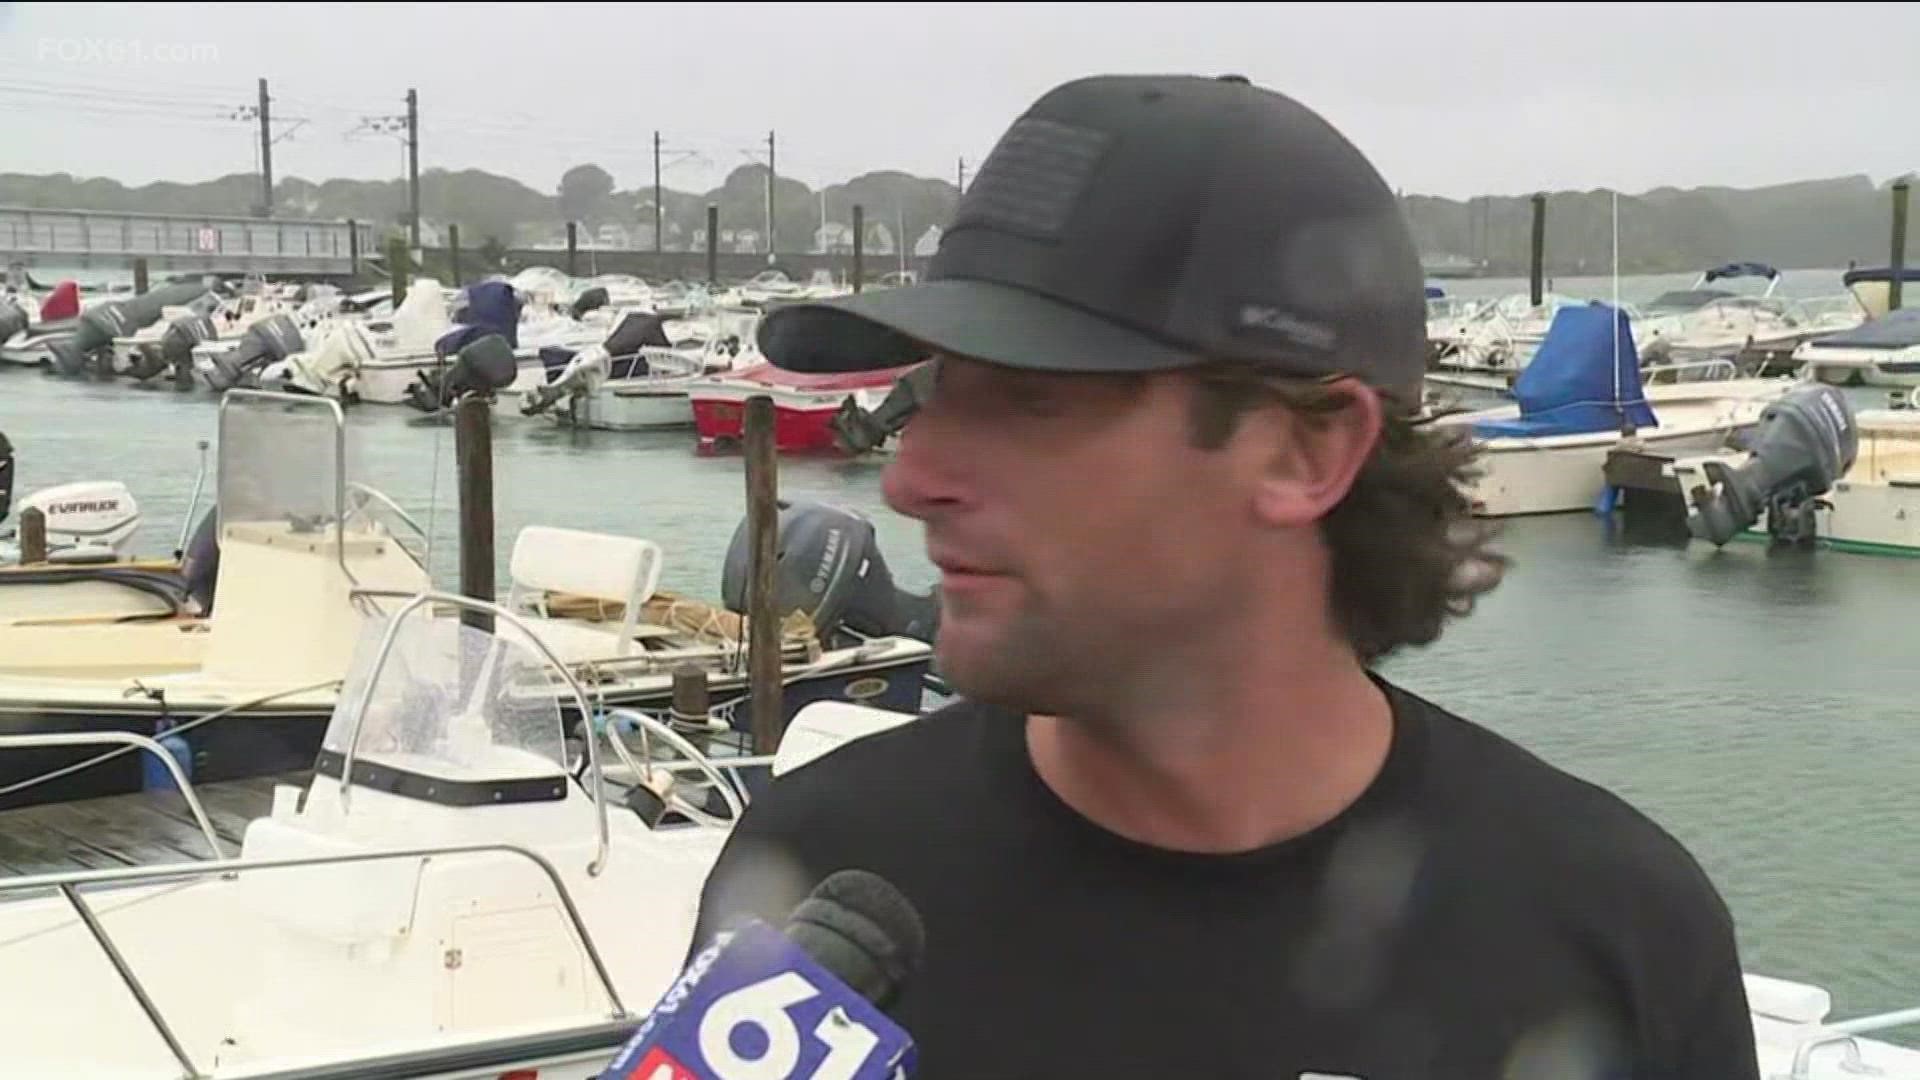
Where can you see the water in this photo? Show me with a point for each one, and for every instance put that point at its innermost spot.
(1756, 704)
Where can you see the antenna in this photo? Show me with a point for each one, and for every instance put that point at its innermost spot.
(1617, 404)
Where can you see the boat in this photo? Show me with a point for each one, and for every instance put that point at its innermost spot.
(1872, 287)
(1580, 399)
(804, 405)
(636, 380)
(1884, 351)
(1754, 331)
(1498, 336)
(299, 559)
(27, 336)
(88, 350)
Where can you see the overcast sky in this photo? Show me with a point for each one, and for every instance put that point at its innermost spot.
(1455, 100)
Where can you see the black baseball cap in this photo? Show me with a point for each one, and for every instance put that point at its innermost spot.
(1133, 223)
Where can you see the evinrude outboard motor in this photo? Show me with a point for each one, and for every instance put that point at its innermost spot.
(481, 367)
(831, 568)
(95, 331)
(859, 431)
(1803, 443)
(589, 300)
(268, 341)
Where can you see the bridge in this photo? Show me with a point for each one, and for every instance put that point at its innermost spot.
(182, 243)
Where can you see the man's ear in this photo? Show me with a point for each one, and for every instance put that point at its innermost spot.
(1315, 457)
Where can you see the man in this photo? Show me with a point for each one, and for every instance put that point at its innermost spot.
(1173, 478)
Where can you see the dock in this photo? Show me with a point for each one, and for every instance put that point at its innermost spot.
(138, 829)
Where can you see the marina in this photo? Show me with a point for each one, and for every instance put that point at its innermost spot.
(412, 575)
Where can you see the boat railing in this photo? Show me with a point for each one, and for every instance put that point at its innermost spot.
(131, 740)
(367, 496)
(1714, 369)
(69, 885)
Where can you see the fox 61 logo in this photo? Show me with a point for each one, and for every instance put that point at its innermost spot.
(119, 52)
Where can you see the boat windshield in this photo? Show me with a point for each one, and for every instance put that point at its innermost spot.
(282, 462)
(456, 715)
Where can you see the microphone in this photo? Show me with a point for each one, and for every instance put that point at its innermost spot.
(803, 1004)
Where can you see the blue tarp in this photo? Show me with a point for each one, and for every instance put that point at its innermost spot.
(492, 307)
(1435, 292)
(1894, 330)
(1568, 386)
(1742, 269)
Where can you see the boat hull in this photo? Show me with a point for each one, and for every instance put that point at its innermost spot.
(649, 409)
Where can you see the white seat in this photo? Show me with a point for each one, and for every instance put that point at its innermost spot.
(615, 569)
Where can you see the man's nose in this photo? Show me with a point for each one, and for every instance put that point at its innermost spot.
(928, 474)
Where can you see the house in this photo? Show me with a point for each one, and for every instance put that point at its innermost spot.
(832, 238)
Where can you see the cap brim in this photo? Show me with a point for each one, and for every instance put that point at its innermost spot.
(981, 320)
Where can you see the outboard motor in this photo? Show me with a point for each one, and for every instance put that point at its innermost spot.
(568, 372)
(859, 431)
(88, 521)
(174, 352)
(481, 367)
(589, 300)
(13, 319)
(6, 475)
(1803, 443)
(830, 567)
(97, 328)
(268, 341)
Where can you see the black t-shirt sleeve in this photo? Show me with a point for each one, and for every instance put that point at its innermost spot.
(1715, 1038)
(760, 873)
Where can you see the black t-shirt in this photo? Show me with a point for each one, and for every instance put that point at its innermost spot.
(1476, 913)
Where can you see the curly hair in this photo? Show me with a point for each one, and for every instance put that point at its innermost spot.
(1407, 552)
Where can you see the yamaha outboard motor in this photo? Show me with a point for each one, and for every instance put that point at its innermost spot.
(589, 300)
(859, 431)
(95, 331)
(1804, 442)
(268, 341)
(830, 567)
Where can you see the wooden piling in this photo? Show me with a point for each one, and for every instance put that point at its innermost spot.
(353, 248)
(713, 246)
(1897, 259)
(398, 270)
(140, 276)
(33, 536)
(473, 452)
(573, 249)
(1536, 274)
(692, 703)
(859, 244)
(763, 620)
(453, 254)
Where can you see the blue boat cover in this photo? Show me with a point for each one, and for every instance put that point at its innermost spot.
(1879, 273)
(1894, 330)
(1742, 269)
(1568, 386)
(1435, 292)
(491, 308)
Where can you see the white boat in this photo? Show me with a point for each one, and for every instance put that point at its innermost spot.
(639, 379)
(1583, 398)
(1497, 336)
(1754, 330)
(1882, 352)
(305, 559)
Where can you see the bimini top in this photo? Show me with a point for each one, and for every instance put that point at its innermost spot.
(1741, 269)
(1569, 387)
(1894, 330)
